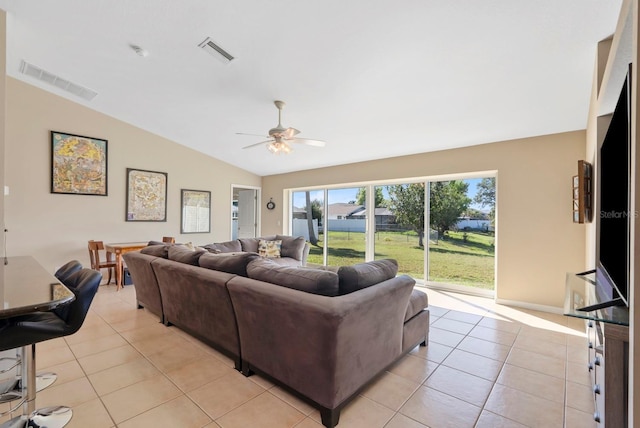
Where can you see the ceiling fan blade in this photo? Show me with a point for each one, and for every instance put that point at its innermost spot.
(253, 135)
(308, 142)
(258, 144)
(289, 133)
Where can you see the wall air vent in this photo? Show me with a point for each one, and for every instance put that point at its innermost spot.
(60, 83)
(215, 50)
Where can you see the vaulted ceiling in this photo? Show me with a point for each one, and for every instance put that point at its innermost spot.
(374, 79)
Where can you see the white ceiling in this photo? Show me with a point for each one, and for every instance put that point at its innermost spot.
(374, 79)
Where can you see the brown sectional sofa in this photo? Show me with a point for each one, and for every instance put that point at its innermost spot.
(294, 253)
(324, 334)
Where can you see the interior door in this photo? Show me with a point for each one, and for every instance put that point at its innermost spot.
(247, 213)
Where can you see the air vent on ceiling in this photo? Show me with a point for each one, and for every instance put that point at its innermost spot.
(215, 50)
(57, 81)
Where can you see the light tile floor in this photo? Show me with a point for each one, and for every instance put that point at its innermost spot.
(486, 365)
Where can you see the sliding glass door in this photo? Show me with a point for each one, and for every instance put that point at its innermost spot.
(461, 244)
(399, 226)
(307, 219)
(346, 226)
(440, 232)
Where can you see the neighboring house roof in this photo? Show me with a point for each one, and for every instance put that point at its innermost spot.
(343, 209)
(380, 211)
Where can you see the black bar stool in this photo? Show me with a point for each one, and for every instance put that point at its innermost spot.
(65, 271)
(12, 388)
(24, 331)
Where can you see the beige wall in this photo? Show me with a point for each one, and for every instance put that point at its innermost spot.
(55, 228)
(537, 241)
(3, 50)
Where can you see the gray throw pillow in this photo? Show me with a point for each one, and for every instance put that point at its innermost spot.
(250, 245)
(235, 263)
(156, 250)
(291, 247)
(313, 281)
(182, 254)
(224, 247)
(363, 275)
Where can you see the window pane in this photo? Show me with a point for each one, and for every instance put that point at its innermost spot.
(311, 228)
(461, 238)
(346, 226)
(400, 225)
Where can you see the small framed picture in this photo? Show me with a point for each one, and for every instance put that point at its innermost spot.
(195, 216)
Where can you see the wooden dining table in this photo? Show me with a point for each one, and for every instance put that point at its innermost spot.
(118, 249)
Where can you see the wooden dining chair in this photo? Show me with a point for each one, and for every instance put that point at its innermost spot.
(97, 263)
(169, 239)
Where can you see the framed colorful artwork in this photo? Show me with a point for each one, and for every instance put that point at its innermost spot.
(146, 195)
(78, 164)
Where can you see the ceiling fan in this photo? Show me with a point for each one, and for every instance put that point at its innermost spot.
(280, 138)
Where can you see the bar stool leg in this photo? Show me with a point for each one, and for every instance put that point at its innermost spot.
(43, 379)
(50, 417)
(29, 373)
(22, 420)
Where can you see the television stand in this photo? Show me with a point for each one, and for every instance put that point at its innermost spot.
(607, 327)
(601, 305)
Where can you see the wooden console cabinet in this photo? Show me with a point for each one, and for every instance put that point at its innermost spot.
(609, 369)
(608, 342)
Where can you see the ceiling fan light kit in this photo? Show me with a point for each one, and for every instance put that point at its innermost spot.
(280, 137)
(278, 147)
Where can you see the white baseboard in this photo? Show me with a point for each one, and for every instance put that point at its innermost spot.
(532, 306)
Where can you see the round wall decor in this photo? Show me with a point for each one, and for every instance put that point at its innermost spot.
(271, 205)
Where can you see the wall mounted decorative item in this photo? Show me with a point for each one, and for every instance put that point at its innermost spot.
(78, 164)
(195, 216)
(146, 195)
(582, 193)
(271, 205)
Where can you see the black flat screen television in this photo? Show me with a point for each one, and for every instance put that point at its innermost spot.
(615, 216)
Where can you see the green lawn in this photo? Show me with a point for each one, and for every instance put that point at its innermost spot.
(452, 260)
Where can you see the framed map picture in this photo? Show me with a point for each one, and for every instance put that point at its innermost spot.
(146, 195)
(196, 211)
(78, 164)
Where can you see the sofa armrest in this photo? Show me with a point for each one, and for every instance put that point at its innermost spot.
(196, 299)
(325, 348)
(146, 283)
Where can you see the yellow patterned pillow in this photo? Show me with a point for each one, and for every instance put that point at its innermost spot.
(269, 249)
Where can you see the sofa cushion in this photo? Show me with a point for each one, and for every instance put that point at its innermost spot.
(309, 280)
(235, 263)
(269, 249)
(250, 245)
(224, 247)
(363, 275)
(182, 254)
(156, 250)
(417, 302)
(292, 247)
